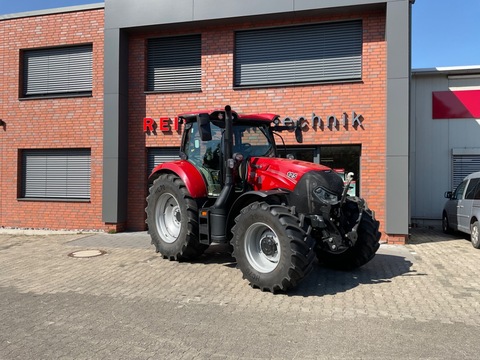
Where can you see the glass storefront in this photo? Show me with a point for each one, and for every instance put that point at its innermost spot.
(341, 158)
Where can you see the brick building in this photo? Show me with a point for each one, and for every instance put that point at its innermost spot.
(79, 83)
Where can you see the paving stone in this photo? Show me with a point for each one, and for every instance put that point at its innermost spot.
(131, 303)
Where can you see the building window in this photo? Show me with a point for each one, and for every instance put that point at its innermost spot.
(64, 71)
(174, 64)
(325, 52)
(56, 174)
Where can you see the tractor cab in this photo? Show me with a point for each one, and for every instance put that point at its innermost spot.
(205, 147)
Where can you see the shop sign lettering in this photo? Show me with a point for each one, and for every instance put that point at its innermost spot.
(164, 124)
(332, 122)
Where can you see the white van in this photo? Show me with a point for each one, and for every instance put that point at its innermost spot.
(462, 210)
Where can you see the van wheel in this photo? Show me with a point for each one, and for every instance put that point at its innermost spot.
(474, 236)
(445, 226)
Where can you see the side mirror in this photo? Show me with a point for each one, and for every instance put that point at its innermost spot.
(448, 194)
(299, 134)
(204, 127)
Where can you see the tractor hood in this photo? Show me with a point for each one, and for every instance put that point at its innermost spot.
(266, 173)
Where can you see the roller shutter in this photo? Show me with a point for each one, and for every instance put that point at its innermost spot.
(174, 64)
(464, 165)
(65, 70)
(160, 155)
(299, 54)
(54, 174)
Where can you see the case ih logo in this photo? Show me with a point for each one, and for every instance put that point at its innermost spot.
(167, 124)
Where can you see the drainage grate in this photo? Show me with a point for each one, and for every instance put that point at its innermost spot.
(87, 253)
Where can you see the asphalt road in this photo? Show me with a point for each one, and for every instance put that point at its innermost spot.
(419, 301)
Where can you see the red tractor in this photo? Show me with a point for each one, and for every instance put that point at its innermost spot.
(278, 214)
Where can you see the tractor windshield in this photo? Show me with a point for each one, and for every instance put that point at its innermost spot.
(252, 141)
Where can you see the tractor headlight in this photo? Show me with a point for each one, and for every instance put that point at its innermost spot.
(326, 196)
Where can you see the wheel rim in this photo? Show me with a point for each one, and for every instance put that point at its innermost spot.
(262, 247)
(168, 218)
(445, 223)
(474, 234)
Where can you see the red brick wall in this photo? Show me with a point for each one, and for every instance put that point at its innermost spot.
(367, 98)
(78, 122)
(50, 123)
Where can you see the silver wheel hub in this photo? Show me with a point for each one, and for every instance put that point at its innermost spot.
(168, 218)
(262, 247)
(474, 234)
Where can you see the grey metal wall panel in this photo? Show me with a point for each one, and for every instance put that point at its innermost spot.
(211, 9)
(397, 195)
(398, 111)
(115, 124)
(398, 36)
(127, 13)
(300, 5)
(429, 156)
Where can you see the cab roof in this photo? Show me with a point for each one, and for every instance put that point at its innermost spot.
(219, 114)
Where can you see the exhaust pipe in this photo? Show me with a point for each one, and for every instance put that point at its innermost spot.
(219, 210)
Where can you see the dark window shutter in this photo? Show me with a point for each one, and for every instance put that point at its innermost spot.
(63, 173)
(174, 64)
(464, 165)
(299, 54)
(157, 156)
(64, 70)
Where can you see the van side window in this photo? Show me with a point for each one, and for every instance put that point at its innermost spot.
(458, 194)
(476, 194)
(472, 186)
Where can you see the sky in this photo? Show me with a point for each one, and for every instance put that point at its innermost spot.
(444, 32)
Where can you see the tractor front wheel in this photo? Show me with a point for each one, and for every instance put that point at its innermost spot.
(172, 219)
(272, 250)
(359, 254)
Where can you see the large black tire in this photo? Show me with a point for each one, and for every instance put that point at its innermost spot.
(172, 218)
(271, 249)
(361, 253)
(474, 235)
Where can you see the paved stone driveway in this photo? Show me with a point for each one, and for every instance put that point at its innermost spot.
(421, 300)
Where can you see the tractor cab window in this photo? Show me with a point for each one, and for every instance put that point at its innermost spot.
(252, 141)
(206, 156)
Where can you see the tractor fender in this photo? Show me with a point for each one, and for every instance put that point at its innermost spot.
(250, 197)
(187, 172)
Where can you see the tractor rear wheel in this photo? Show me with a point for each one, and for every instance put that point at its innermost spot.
(361, 253)
(271, 249)
(172, 219)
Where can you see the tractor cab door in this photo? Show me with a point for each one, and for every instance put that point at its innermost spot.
(206, 156)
